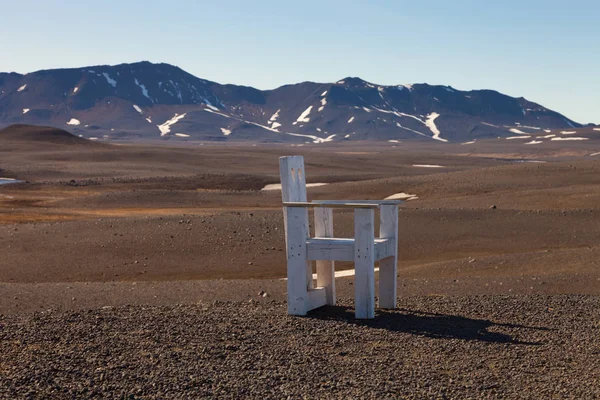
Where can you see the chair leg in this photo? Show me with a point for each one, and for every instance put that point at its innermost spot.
(364, 263)
(325, 269)
(388, 267)
(297, 264)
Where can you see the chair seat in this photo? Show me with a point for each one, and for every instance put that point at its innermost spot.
(342, 249)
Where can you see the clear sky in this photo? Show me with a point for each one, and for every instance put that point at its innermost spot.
(547, 51)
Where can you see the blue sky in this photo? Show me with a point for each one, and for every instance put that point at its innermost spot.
(547, 51)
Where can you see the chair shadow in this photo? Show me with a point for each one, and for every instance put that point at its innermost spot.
(432, 325)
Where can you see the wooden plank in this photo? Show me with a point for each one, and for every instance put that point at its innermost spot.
(364, 263)
(388, 267)
(297, 264)
(342, 249)
(316, 298)
(293, 180)
(332, 249)
(317, 205)
(325, 268)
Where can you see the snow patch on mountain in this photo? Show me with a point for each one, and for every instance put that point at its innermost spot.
(184, 135)
(165, 128)
(518, 137)
(569, 138)
(74, 122)
(110, 80)
(535, 142)
(568, 132)
(323, 103)
(488, 124)
(324, 94)
(25, 110)
(75, 89)
(430, 123)
(275, 125)
(22, 88)
(275, 116)
(226, 132)
(350, 120)
(137, 108)
(304, 116)
(520, 132)
(144, 90)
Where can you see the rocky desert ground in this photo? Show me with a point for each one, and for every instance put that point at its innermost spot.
(155, 271)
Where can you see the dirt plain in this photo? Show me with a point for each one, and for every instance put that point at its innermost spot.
(155, 225)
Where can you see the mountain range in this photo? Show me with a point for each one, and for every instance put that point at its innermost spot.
(160, 101)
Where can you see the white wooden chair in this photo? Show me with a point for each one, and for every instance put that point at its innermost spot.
(364, 249)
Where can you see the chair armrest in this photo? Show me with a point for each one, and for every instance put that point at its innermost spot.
(378, 202)
(347, 204)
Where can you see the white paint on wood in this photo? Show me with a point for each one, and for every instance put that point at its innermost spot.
(388, 267)
(364, 263)
(325, 268)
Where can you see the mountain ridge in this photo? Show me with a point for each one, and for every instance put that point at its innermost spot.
(145, 100)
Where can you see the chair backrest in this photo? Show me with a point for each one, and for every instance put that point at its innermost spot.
(293, 180)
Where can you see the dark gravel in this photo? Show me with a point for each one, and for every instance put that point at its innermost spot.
(478, 347)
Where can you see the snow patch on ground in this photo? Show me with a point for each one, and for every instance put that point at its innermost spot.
(137, 108)
(595, 154)
(596, 129)
(25, 110)
(518, 137)
(324, 94)
(182, 135)
(569, 138)
(149, 120)
(211, 106)
(75, 89)
(350, 120)
(393, 141)
(535, 142)
(110, 80)
(546, 137)
(74, 122)
(275, 125)
(165, 128)
(22, 88)
(366, 109)
(428, 166)
(568, 132)
(277, 186)
(547, 130)
(304, 116)
(402, 196)
(226, 132)
(471, 142)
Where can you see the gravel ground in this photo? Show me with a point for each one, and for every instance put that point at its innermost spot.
(536, 347)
